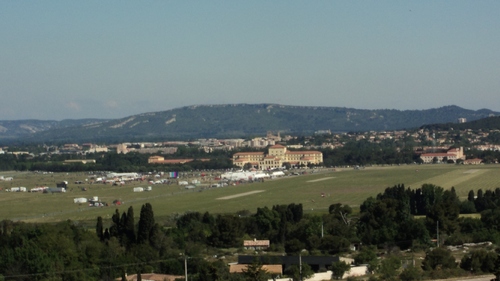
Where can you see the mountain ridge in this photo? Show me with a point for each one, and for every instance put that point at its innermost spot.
(233, 120)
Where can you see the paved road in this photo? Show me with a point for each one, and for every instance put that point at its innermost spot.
(477, 278)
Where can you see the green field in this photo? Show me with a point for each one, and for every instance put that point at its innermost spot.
(315, 191)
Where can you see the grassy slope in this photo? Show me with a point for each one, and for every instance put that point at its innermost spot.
(345, 186)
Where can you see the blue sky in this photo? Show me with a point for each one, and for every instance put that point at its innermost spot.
(111, 59)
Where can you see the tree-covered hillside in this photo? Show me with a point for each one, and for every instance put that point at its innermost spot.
(239, 120)
(486, 124)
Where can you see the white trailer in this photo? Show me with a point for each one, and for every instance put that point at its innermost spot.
(80, 200)
(277, 174)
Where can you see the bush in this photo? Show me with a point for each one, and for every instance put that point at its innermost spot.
(439, 258)
(446, 273)
(411, 273)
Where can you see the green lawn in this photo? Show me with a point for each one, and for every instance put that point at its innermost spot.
(315, 191)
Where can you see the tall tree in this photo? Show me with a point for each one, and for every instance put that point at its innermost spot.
(99, 229)
(130, 225)
(446, 211)
(470, 196)
(146, 223)
(339, 268)
(255, 272)
(114, 230)
(389, 267)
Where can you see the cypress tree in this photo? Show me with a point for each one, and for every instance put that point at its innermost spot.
(114, 230)
(470, 196)
(99, 230)
(122, 232)
(130, 225)
(146, 223)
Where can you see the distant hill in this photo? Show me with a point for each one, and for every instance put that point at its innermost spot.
(239, 120)
(489, 123)
(14, 129)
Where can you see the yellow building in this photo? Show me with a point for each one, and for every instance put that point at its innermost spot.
(275, 158)
(453, 154)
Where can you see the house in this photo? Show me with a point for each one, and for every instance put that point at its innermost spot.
(475, 161)
(256, 244)
(275, 158)
(152, 277)
(270, 268)
(315, 262)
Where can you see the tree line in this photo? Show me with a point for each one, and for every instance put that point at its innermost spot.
(397, 219)
(363, 152)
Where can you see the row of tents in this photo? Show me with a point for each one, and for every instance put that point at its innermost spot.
(251, 175)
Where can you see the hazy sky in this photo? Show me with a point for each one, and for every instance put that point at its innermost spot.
(111, 59)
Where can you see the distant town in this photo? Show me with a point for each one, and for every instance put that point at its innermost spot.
(275, 150)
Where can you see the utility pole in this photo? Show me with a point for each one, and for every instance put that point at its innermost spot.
(437, 231)
(300, 267)
(186, 267)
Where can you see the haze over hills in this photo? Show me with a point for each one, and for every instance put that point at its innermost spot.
(232, 120)
(13, 129)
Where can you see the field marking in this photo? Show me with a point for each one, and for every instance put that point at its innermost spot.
(471, 171)
(452, 178)
(321, 179)
(239, 195)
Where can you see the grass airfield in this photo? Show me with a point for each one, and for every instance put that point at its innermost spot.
(316, 191)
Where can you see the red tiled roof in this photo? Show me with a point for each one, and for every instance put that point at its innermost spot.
(277, 146)
(475, 160)
(256, 243)
(249, 153)
(271, 268)
(303, 152)
(153, 277)
(437, 154)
